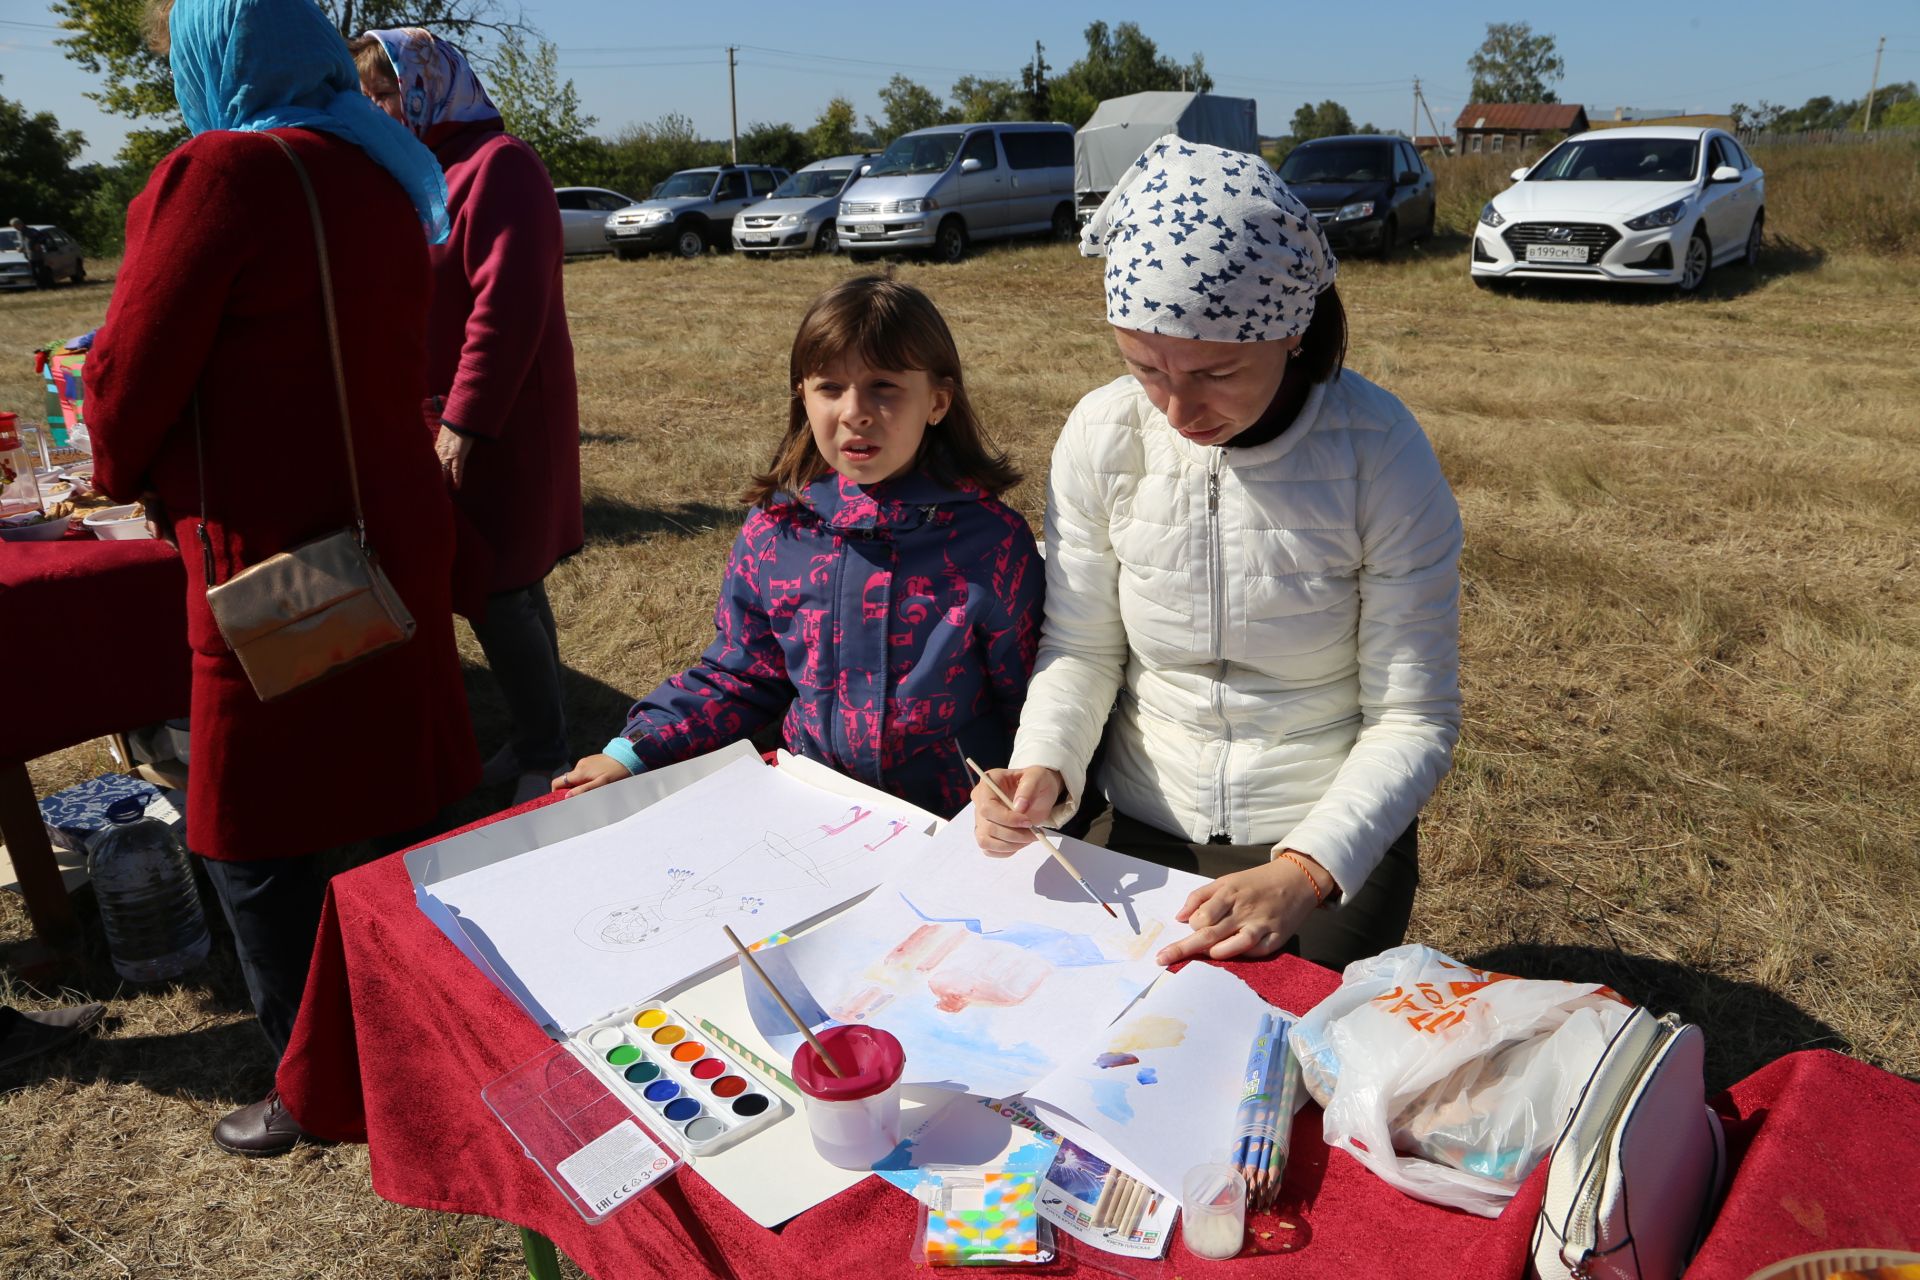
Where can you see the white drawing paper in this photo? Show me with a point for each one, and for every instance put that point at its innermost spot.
(1163, 1084)
(621, 913)
(988, 970)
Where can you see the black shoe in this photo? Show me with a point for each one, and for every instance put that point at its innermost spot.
(25, 1035)
(263, 1128)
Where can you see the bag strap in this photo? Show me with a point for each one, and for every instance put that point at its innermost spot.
(333, 355)
(333, 332)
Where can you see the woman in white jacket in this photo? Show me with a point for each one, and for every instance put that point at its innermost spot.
(1253, 585)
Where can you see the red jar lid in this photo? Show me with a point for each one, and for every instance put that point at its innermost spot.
(9, 431)
(871, 1057)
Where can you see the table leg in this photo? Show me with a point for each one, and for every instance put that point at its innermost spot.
(543, 1260)
(56, 929)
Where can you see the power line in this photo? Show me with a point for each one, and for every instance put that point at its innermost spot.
(866, 62)
(31, 26)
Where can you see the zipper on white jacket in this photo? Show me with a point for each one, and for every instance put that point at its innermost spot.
(1580, 1226)
(1222, 824)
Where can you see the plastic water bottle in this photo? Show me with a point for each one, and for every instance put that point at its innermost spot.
(148, 900)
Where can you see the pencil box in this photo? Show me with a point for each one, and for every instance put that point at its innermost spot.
(1636, 1172)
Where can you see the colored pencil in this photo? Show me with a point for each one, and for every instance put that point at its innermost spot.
(1288, 1095)
(1107, 1186)
(1253, 1121)
(1139, 1211)
(1059, 854)
(1123, 1207)
(798, 1022)
(751, 1058)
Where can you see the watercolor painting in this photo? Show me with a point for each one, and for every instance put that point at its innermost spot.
(734, 890)
(981, 1002)
(1162, 1085)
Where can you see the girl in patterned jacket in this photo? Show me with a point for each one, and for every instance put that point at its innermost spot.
(880, 596)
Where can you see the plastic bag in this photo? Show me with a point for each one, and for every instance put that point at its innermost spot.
(1451, 1083)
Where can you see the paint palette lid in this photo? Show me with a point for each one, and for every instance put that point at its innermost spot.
(588, 1142)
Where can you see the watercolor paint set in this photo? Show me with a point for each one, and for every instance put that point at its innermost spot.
(680, 1078)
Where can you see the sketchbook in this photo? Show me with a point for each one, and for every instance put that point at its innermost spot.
(626, 908)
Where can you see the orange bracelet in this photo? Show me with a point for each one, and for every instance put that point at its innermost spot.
(1319, 896)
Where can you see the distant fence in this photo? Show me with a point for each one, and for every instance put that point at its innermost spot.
(1823, 137)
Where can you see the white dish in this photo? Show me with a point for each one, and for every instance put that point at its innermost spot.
(117, 523)
(42, 531)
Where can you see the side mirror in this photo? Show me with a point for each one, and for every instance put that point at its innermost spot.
(969, 165)
(1409, 179)
(1519, 173)
(864, 168)
(1725, 173)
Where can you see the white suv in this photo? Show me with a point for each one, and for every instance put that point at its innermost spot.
(1641, 205)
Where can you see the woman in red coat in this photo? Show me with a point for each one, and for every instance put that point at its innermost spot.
(499, 353)
(216, 318)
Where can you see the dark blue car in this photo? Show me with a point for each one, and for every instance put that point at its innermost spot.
(1369, 191)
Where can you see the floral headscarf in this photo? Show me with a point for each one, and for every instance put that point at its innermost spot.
(437, 84)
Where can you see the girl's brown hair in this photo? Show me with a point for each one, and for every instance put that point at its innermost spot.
(1323, 345)
(887, 325)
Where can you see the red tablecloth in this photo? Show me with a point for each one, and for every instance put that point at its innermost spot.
(96, 636)
(399, 1034)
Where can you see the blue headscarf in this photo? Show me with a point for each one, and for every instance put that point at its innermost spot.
(279, 64)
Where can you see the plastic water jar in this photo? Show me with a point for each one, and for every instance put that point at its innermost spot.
(149, 903)
(855, 1118)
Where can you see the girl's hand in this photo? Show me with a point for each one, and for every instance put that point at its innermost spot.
(1250, 913)
(592, 771)
(1000, 830)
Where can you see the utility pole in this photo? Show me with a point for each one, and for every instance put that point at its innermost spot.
(1414, 135)
(733, 104)
(1440, 148)
(1867, 125)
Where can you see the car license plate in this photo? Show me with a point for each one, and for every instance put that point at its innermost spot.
(878, 229)
(1556, 253)
(756, 239)
(626, 231)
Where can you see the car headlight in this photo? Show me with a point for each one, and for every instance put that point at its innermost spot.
(1665, 216)
(925, 204)
(1349, 212)
(790, 220)
(650, 216)
(1490, 216)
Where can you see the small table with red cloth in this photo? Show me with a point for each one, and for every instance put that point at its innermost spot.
(94, 641)
(399, 1033)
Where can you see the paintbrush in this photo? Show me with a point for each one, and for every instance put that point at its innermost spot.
(798, 1022)
(1059, 855)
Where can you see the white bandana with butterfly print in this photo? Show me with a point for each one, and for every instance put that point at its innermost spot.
(1206, 243)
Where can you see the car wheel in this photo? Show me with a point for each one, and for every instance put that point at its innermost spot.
(1754, 237)
(828, 241)
(43, 277)
(1389, 236)
(690, 241)
(1697, 263)
(950, 242)
(1065, 227)
(79, 271)
(1426, 237)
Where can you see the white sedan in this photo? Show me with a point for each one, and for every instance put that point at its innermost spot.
(1640, 205)
(583, 217)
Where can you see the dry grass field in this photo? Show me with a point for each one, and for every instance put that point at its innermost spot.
(1691, 656)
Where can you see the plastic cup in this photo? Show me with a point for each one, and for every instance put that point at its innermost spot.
(1213, 1210)
(854, 1119)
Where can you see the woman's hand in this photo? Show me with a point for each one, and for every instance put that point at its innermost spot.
(1249, 913)
(1000, 830)
(452, 449)
(592, 771)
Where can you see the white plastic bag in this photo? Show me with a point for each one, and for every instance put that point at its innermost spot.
(1451, 1083)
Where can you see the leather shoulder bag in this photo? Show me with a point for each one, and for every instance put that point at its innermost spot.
(1635, 1175)
(325, 605)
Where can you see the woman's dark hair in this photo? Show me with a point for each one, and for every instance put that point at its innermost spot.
(887, 325)
(1323, 345)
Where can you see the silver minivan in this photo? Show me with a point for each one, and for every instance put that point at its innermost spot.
(945, 187)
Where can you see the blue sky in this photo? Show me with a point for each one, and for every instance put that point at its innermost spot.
(633, 62)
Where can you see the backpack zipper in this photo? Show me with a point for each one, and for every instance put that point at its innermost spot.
(1580, 1227)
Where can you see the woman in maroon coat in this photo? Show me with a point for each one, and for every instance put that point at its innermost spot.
(216, 318)
(499, 353)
